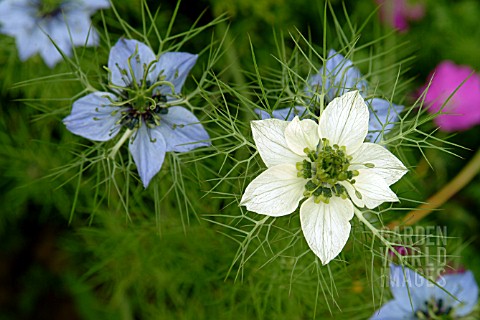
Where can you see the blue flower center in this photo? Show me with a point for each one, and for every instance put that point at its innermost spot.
(140, 97)
(324, 169)
(435, 310)
(151, 115)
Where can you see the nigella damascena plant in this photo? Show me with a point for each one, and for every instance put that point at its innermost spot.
(145, 100)
(328, 164)
(337, 77)
(452, 296)
(35, 24)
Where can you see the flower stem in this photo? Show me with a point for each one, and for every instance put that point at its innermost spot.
(442, 196)
(120, 142)
(377, 233)
(367, 223)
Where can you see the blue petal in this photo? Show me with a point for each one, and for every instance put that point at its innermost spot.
(175, 66)
(148, 150)
(383, 115)
(93, 117)
(463, 287)
(182, 131)
(80, 29)
(401, 285)
(126, 54)
(342, 76)
(20, 19)
(93, 5)
(392, 310)
(29, 43)
(16, 16)
(283, 114)
(58, 31)
(315, 84)
(262, 114)
(17, 19)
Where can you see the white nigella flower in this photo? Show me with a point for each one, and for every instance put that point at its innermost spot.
(329, 165)
(337, 77)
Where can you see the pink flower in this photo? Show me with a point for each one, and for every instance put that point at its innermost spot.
(451, 270)
(403, 251)
(397, 13)
(462, 111)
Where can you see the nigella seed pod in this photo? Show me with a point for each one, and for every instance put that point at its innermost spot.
(317, 192)
(131, 122)
(310, 186)
(327, 192)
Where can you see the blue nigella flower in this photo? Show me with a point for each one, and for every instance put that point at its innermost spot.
(342, 76)
(145, 99)
(417, 298)
(283, 114)
(66, 22)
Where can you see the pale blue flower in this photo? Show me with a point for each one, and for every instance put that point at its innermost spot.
(66, 22)
(282, 114)
(145, 100)
(342, 76)
(417, 298)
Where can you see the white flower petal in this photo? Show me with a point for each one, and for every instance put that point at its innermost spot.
(326, 227)
(345, 121)
(301, 134)
(275, 192)
(373, 189)
(351, 192)
(269, 136)
(389, 167)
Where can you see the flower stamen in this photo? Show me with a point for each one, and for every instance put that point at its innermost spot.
(131, 118)
(324, 169)
(434, 309)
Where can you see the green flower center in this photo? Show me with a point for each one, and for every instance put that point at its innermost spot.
(324, 169)
(50, 8)
(151, 115)
(140, 97)
(435, 310)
